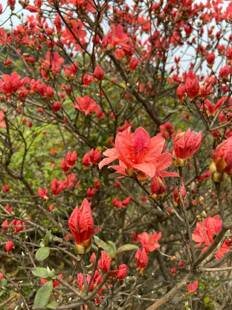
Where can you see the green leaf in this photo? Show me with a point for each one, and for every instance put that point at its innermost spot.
(42, 272)
(100, 243)
(48, 238)
(127, 247)
(112, 250)
(109, 246)
(42, 253)
(52, 305)
(43, 295)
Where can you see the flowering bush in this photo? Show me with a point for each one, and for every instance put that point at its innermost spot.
(115, 154)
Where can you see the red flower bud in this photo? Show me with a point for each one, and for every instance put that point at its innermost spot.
(98, 73)
(5, 188)
(222, 157)
(192, 85)
(180, 91)
(104, 261)
(5, 225)
(158, 186)
(192, 287)
(186, 144)
(91, 158)
(122, 272)
(56, 186)
(81, 226)
(42, 193)
(56, 106)
(9, 246)
(167, 130)
(141, 258)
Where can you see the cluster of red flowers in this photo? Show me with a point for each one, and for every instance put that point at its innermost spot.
(102, 108)
(149, 243)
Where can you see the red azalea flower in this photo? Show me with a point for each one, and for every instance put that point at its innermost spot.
(56, 186)
(225, 248)
(222, 157)
(69, 161)
(87, 105)
(206, 230)
(192, 287)
(71, 158)
(180, 92)
(122, 272)
(98, 73)
(149, 241)
(81, 280)
(138, 152)
(141, 258)
(192, 86)
(10, 83)
(5, 225)
(92, 157)
(42, 193)
(104, 261)
(18, 225)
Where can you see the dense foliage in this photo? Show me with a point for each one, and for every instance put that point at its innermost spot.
(115, 154)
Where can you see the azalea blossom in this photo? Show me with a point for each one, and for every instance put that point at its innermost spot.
(149, 241)
(98, 73)
(70, 181)
(93, 282)
(225, 248)
(9, 84)
(121, 203)
(69, 161)
(116, 37)
(42, 193)
(206, 230)
(138, 153)
(192, 287)
(92, 157)
(57, 186)
(104, 261)
(192, 86)
(122, 272)
(52, 63)
(5, 225)
(87, 105)
(222, 157)
(141, 259)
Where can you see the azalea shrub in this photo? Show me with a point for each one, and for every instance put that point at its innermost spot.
(115, 154)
